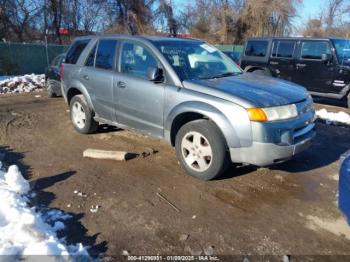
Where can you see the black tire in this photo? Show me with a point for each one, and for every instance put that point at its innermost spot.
(220, 157)
(50, 91)
(90, 125)
(261, 72)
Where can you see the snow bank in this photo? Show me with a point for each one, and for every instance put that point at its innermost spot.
(22, 84)
(330, 117)
(23, 229)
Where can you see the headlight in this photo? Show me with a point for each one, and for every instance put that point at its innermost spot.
(273, 113)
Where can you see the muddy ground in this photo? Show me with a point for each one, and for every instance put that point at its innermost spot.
(287, 209)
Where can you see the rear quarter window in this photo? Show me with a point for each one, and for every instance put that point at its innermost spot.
(75, 51)
(256, 48)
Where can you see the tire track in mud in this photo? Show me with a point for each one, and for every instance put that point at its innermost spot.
(15, 123)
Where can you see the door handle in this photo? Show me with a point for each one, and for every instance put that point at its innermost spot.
(300, 65)
(121, 84)
(86, 77)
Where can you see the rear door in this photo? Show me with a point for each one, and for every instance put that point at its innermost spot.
(310, 71)
(97, 76)
(70, 64)
(255, 53)
(281, 62)
(140, 102)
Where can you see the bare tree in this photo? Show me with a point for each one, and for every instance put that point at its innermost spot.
(165, 16)
(56, 10)
(212, 20)
(314, 28)
(18, 16)
(331, 21)
(131, 16)
(231, 21)
(268, 17)
(333, 10)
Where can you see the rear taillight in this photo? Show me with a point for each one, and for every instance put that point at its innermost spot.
(61, 72)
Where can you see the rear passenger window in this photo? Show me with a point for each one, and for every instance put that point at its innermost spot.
(105, 54)
(256, 48)
(315, 50)
(75, 51)
(135, 60)
(283, 49)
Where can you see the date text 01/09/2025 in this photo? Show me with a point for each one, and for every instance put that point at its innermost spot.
(173, 258)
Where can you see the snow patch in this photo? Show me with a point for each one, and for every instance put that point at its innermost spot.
(25, 230)
(22, 84)
(331, 117)
(338, 226)
(15, 181)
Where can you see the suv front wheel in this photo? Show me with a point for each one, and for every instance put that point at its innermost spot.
(201, 149)
(82, 116)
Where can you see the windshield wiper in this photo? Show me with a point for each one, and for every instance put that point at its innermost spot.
(221, 75)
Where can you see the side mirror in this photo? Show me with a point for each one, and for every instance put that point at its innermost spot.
(155, 74)
(326, 57)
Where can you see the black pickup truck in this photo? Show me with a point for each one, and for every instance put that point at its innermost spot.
(322, 65)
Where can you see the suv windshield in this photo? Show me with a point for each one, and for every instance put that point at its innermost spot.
(342, 48)
(193, 60)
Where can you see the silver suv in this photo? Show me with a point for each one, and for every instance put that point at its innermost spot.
(190, 94)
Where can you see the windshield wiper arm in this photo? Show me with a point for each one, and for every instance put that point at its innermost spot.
(221, 75)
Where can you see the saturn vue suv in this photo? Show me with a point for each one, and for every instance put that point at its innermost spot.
(190, 94)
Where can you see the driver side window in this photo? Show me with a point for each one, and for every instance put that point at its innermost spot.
(135, 60)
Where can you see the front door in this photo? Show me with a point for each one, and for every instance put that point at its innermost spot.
(97, 75)
(140, 102)
(311, 71)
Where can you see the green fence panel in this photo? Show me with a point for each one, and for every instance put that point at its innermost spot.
(19, 59)
(227, 48)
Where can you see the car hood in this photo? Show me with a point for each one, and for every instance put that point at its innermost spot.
(250, 90)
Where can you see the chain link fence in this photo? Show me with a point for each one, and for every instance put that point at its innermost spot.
(20, 59)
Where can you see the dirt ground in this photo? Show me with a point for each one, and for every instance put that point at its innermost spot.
(288, 209)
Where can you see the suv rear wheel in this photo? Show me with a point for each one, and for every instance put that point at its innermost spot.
(49, 86)
(82, 116)
(201, 149)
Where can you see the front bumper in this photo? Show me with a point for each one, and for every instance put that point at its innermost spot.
(265, 154)
(277, 141)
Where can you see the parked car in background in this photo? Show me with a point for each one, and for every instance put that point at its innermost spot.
(344, 185)
(52, 76)
(322, 65)
(186, 92)
(234, 55)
